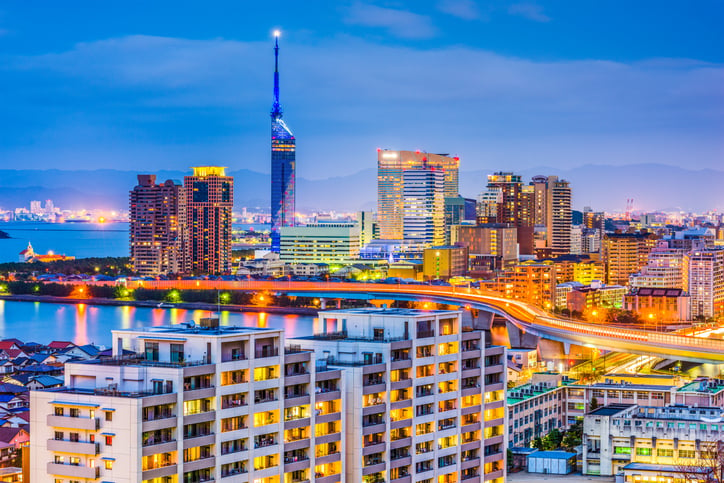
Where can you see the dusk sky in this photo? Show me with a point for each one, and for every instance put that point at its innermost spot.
(504, 85)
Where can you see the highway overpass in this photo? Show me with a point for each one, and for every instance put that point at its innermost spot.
(528, 318)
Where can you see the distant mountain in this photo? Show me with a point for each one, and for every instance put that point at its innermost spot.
(652, 186)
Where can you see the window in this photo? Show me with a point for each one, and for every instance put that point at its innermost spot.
(73, 437)
(58, 411)
(643, 451)
(151, 351)
(177, 352)
(109, 415)
(687, 453)
(666, 453)
(59, 435)
(109, 464)
(74, 412)
(109, 440)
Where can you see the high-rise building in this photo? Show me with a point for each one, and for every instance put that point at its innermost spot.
(209, 195)
(490, 247)
(551, 207)
(425, 395)
(706, 282)
(156, 226)
(283, 165)
(193, 403)
(423, 207)
(625, 254)
(666, 268)
(390, 168)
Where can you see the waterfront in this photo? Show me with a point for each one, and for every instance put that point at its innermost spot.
(80, 240)
(92, 324)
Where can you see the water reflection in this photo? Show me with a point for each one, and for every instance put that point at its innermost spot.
(83, 323)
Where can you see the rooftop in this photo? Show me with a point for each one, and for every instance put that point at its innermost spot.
(191, 328)
(558, 455)
(392, 312)
(611, 409)
(711, 386)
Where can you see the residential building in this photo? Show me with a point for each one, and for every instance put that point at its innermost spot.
(650, 443)
(706, 282)
(535, 408)
(425, 395)
(530, 282)
(195, 403)
(391, 166)
(625, 254)
(283, 165)
(209, 197)
(595, 295)
(156, 226)
(665, 268)
(330, 243)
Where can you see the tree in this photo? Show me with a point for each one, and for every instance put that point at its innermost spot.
(552, 440)
(708, 468)
(594, 404)
(537, 443)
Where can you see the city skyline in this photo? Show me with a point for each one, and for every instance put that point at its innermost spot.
(193, 94)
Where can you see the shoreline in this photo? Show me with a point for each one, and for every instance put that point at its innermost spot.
(152, 304)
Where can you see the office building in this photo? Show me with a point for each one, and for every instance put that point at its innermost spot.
(490, 246)
(390, 185)
(458, 210)
(651, 444)
(209, 197)
(330, 243)
(534, 283)
(283, 165)
(551, 207)
(442, 263)
(425, 395)
(423, 207)
(156, 226)
(196, 403)
(706, 282)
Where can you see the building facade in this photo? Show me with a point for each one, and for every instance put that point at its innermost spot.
(706, 282)
(322, 243)
(209, 197)
(156, 226)
(425, 395)
(196, 404)
(423, 207)
(390, 185)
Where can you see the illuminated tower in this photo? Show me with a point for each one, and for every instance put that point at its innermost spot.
(283, 164)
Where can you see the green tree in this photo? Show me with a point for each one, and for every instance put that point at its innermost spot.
(594, 404)
(552, 440)
(537, 443)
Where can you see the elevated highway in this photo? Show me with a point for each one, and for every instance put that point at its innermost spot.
(528, 318)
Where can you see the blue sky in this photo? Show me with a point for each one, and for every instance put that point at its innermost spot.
(502, 84)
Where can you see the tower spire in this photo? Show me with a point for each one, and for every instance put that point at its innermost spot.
(276, 111)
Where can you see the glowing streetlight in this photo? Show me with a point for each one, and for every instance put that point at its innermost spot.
(277, 33)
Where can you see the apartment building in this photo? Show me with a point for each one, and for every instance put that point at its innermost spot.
(425, 395)
(650, 444)
(195, 403)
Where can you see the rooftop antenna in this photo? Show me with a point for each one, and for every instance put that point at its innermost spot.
(276, 107)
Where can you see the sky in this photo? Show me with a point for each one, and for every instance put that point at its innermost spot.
(505, 85)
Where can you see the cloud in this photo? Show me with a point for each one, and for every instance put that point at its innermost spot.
(399, 23)
(464, 9)
(530, 11)
(353, 95)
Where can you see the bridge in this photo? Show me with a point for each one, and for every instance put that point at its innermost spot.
(526, 317)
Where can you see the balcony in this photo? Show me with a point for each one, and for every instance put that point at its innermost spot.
(86, 424)
(65, 446)
(73, 471)
(266, 352)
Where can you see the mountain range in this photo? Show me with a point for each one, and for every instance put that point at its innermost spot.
(603, 187)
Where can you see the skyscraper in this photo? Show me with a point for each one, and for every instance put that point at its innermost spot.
(283, 164)
(423, 207)
(209, 197)
(390, 168)
(156, 218)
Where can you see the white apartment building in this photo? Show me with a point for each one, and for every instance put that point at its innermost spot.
(195, 404)
(666, 268)
(706, 282)
(650, 444)
(425, 395)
